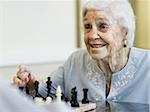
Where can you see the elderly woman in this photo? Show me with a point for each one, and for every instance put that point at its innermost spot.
(110, 68)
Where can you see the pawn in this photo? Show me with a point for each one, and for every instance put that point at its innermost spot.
(48, 82)
(38, 101)
(28, 85)
(36, 86)
(58, 94)
(48, 100)
(21, 88)
(85, 98)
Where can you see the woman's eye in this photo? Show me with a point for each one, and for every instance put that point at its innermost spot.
(103, 27)
(87, 26)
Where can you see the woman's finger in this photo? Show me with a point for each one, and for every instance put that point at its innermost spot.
(17, 81)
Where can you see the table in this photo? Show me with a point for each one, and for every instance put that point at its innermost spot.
(122, 107)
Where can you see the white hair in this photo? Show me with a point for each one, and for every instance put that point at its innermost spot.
(120, 10)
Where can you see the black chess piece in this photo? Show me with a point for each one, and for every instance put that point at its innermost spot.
(74, 101)
(27, 87)
(49, 84)
(30, 87)
(66, 99)
(21, 88)
(85, 97)
(36, 85)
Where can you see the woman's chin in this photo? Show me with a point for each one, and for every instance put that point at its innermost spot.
(98, 54)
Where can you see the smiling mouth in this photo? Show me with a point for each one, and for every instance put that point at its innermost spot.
(97, 45)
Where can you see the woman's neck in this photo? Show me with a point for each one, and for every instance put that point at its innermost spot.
(115, 62)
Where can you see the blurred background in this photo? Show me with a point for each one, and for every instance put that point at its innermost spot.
(43, 33)
(38, 33)
(142, 13)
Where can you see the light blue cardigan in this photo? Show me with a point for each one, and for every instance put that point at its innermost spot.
(131, 84)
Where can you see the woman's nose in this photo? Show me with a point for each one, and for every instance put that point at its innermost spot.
(94, 33)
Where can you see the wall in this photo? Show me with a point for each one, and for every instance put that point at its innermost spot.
(1, 22)
(36, 31)
(141, 8)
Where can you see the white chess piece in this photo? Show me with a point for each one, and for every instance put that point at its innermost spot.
(58, 105)
(48, 100)
(38, 101)
(58, 94)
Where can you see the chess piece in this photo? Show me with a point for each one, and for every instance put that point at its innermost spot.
(85, 98)
(38, 101)
(21, 88)
(74, 101)
(48, 82)
(48, 100)
(36, 85)
(30, 87)
(58, 94)
(66, 99)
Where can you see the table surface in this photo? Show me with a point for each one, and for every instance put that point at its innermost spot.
(122, 107)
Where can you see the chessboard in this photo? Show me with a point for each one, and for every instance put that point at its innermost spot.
(49, 103)
(90, 107)
(57, 106)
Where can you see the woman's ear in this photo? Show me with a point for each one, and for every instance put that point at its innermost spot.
(124, 31)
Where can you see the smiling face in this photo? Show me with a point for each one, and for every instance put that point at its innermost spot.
(102, 36)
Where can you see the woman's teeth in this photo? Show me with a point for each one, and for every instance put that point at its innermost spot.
(97, 45)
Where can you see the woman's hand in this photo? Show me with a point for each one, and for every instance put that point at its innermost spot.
(22, 76)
